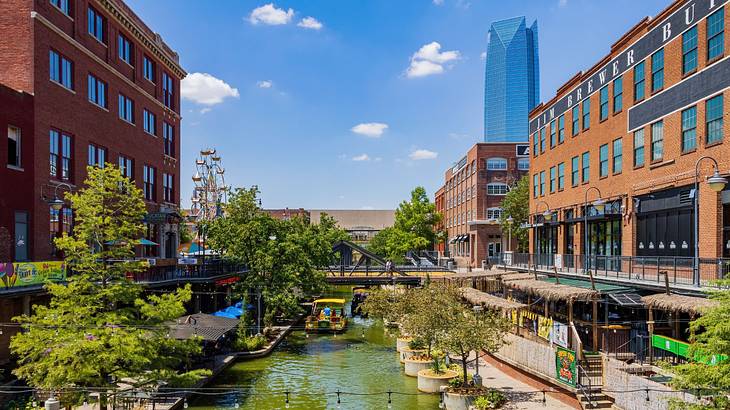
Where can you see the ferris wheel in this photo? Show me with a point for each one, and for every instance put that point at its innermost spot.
(209, 192)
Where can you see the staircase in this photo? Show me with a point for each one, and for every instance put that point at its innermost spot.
(590, 384)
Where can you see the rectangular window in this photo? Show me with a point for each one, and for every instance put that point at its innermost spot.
(126, 50)
(60, 155)
(603, 160)
(21, 235)
(618, 95)
(126, 108)
(657, 141)
(168, 135)
(639, 82)
(689, 50)
(535, 151)
(689, 129)
(603, 107)
(574, 171)
(97, 91)
(149, 122)
(523, 164)
(586, 163)
(54, 152)
(496, 164)
(542, 183)
(126, 166)
(716, 34)
(618, 156)
(657, 71)
(96, 24)
(149, 183)
(167, 185)
(535, 185)
(575, 117)
(63, 5)
(587, 113)
(167, 90)
(553, 178)
(14, 146)
(542, 139)
(497, 189)
(149, 69)
(561, 129)
(561, 176)
(639, 148)
(552, 134)
(61, 70)
(97, 156)
(713, 119)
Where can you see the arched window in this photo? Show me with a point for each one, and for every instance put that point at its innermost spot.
(497, 188)
(496, 164)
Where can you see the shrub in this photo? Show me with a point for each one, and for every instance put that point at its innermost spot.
(250, 343)
(416, 344)
(494, 399)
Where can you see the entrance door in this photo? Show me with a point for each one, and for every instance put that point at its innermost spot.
(494, 249)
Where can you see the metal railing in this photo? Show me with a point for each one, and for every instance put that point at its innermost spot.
(586, 390)
(211, 268)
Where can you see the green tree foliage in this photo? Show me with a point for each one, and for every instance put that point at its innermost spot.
(517, 205)
(285, 258)
(99, 328)
(430, 312)
(412, 230)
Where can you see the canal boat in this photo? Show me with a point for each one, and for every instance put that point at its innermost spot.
(328, 315)
(359, 294)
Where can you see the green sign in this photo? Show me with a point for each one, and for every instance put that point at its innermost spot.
(565, 366)
(682, 349)
(19, 274)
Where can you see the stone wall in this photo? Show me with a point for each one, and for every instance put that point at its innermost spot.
(534, 356)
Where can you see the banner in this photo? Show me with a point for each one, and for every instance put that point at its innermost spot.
(544, 327)
(565, 370)
(560, 334)
(15, 275)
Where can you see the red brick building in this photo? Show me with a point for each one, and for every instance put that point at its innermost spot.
(471, 198)
(106, 89)
(630, 130)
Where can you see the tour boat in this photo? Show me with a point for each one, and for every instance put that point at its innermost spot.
(328, 315)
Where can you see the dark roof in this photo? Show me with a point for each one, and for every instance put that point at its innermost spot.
(207, 327)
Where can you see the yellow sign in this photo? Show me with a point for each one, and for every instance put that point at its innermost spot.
(19, 274)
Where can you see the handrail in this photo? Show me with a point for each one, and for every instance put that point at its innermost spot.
(577, 341)
(589, 395)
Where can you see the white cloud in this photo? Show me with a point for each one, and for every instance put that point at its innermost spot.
(421, 154)
(205, 89)
(429, 60)
(265, 84)
(483, 55)
(205, 110)
(270, 15)
(562, 3)
(310, 22)
(370, 129)
(363, 157)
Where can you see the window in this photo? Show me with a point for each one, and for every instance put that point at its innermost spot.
(561, 129)
(575, 116)
(61, 221)
(497, 189)
(689, 50)
(496, 164)
(618, 156)
(542, 140)
(148, 69)
(716, 34)
(657, 71)
(603, 106)
(60, 155)
(167, 187)
(167, 90)
(61, 70)
(97, 91)
(657, 141)
(639, 82)
(535, 185)
(553, 179)
(96, 24)
(149, 183)
(574, 171)
(168, 134)
(587, 113)
(552, 134)
(14, 146)
(523, 164)
(63, 5)
(689, 129)
(586, 163)
(126, 50)
(126, 108)
(126, 167)
(542, 183)
(639, 148)
(494, 213)
(534, 145)
(618, 94)
(561, 176)
(150, 122)
(713, 118)
(603, 160)
(97, 156)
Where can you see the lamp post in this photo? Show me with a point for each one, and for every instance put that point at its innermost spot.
(510, 220)
(57, 203)
(717, 183)
(598, 204)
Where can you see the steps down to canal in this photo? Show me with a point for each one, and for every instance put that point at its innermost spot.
(590, 384)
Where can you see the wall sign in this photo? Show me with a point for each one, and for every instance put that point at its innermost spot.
(523, 150)
(565, 370)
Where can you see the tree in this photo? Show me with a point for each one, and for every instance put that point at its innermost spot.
(517, 205)
(433, 308)
(99, 329)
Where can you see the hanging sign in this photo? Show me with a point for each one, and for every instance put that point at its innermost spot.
(565, 366)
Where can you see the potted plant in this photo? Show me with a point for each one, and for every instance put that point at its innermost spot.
(419, 362)
(431, 379)
(416, 347)
(493, 399)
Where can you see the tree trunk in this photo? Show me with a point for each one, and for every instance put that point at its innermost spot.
(464, 358)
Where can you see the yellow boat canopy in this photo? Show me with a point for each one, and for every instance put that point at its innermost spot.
(338, 301)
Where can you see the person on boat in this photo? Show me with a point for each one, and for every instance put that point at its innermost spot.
(327, 311)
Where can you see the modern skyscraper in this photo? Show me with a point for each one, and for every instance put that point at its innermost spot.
(511, 80)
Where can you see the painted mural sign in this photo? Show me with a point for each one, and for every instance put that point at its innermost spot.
(20, 274)
(565, 366)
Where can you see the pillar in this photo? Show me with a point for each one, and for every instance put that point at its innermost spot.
(594, 317)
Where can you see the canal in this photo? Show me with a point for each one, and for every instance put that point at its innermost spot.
(362, 360)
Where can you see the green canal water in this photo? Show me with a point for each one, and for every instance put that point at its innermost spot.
(362, 360)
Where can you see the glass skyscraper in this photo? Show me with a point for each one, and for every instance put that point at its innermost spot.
(511, 80)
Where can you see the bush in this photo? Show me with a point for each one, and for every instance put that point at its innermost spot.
(417, 344)
(494, 399)
(250, 343)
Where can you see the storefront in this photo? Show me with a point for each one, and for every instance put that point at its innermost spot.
(604, 235)
(665, 223)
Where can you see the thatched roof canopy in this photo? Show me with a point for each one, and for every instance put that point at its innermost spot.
(681, 303)
(476, 297)
(488, 274)
(550, 290)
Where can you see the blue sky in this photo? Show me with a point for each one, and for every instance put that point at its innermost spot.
(280, 88)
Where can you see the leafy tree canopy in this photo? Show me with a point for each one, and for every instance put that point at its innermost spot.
(517, 205)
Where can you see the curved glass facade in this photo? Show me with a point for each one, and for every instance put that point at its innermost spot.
(512, 80)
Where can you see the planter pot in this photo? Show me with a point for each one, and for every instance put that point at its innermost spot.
(415, 366)
(429, 383)
(455, 401)
(407, 353)
(402, 343)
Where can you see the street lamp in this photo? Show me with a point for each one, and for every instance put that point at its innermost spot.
(548, 214)
(717, 183)
(509, 220)
(599, 204)
(57, 203)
